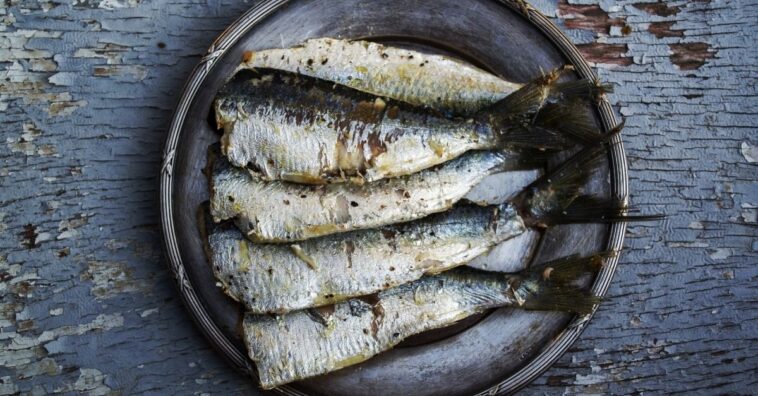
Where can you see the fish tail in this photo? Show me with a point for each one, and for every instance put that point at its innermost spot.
(589, 209)
(559, 197)
(548, 114)
(566, 299)
(548, 286)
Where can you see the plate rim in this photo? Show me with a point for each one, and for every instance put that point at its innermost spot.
(549, 352)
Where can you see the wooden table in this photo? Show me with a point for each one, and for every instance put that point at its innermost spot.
(87, 88)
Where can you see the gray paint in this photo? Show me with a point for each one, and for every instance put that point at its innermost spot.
(91, 94)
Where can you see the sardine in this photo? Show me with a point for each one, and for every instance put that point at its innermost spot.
(277, 278)
(279, 211)
(307, 343)
(296, 128)
(443, 83)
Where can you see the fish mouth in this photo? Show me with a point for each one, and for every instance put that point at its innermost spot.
(436, 335)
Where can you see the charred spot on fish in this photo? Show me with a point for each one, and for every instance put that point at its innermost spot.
(365, 331)
(354, 204)
(395, 335)
(303, 196)
(392, 268)
(270, 271)
(402, 193)
(388, 234)
(431, 233)
(286, 202)
(323, 61)
(375, 144)
(310, 62)
(385, 56)
(392, 112)
(358, 307)
(378, 311)
(254, 167)
(319, 315)
(230, 198)
(349, 249)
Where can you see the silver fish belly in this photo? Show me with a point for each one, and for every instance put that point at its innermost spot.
(307, 343)
(277, 278)
(277, 211)
(297, 128)
(440, 82)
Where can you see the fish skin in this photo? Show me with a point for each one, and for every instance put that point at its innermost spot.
(307, 343)
(279, 211)
(443, 83)
(297, 128)
(275, 278)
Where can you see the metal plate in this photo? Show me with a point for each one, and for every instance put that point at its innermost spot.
(496, 353)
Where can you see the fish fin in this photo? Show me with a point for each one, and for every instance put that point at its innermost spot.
(547, 114)
(556, 190)
(588, 209)
(559, 197)
(567, 299)
(566, 270)
(548, 286)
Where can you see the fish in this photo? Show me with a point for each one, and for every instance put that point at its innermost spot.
(440, 82)
(301, 129)
(281, 211)
(306, 343)
(277, 278)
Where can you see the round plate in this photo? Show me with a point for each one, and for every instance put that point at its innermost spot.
(496, 353)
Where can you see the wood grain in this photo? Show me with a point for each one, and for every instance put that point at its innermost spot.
(87, 88)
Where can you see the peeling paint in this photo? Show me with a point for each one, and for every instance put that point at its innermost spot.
(690, 56)
(720, 253)
(664, 29)
(90, 382)
(749, 151)
(659, 9)
(25, 143)
(111, 278)
(588, 17)
(606, 54)
(106, 4)
(749, 213)
(68, 228)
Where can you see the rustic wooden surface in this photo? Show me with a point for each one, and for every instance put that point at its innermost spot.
(87, 88)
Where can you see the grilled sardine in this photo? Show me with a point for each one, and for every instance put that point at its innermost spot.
(296, 128)
(440, 82)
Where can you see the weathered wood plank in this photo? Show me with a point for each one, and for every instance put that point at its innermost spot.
(86, 92)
